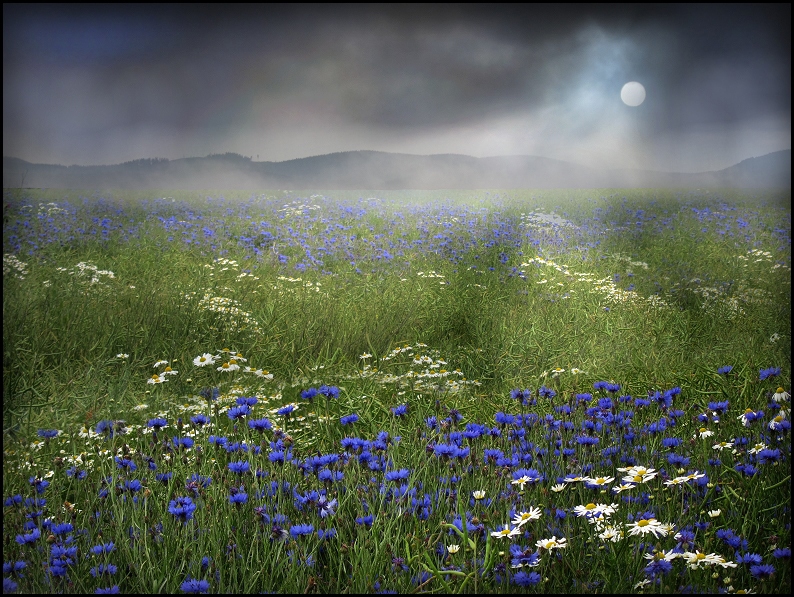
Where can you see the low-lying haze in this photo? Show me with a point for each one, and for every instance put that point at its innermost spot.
(111, 83)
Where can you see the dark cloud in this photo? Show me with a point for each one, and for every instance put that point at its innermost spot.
(104, 84)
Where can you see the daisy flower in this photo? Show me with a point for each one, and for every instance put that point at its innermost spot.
(592, 510)
(638, 474)
(124, 355)
(757, 448)
(781, 396)
(154, 379)
(722, 445)
(523, 517)
(452, 549)
(558, 487)
(521, 481)
(623, 487)
(506, 532)
(598, 480)
(160, 363)
(647, 525)
(552, 543)
(204, 360)
(715, 513)
(228, 367)
(169, 371)
(698, 559)
(478, 494)
(612, 534)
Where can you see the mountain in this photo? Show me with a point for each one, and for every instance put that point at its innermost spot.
(380, 170)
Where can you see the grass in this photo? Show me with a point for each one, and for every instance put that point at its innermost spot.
(503, 353)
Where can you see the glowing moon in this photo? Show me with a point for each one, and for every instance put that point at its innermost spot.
(632, 94)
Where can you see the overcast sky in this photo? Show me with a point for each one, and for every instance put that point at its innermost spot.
(106, 84)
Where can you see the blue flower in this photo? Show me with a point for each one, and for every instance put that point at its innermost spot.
(237, 496)
(349, 419)
(365, 520)
(103, 548)
(200, 420)
(193, 585)
(247, 401)
(239, 467)
(766, 373)
(763, 571)
(397, 475)
(238, 412)
(725, 369)
(399, 411)
(329, 391)
(301, 529)
(114, 590)
(47, 433)
(157, 424)
(286, 411)
(524, 579)
(309, 394)
(30, 537)
(108, 569)
(182, 508)
(182, 442)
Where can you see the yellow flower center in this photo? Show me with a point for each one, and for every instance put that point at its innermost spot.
(780, 390)
(778, 418)
(590, 506)
(748, 411)
(155, 376)
(643, 523)
(638, 478)
(232, 362)
(702, 430)
(225, 365)
(168, 369)
(202, 359)
(701, 556)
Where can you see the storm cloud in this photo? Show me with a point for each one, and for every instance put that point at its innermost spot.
(106, 84)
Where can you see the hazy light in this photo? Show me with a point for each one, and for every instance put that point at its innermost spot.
(632, 94)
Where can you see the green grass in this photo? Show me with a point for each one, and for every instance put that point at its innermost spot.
(651, 290)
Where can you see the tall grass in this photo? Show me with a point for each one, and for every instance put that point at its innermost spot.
(502, 352)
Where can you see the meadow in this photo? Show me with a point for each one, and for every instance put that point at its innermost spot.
(413, 391)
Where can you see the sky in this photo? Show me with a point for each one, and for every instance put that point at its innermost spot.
(104, 84)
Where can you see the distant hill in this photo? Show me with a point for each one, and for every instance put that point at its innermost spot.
(380, 170)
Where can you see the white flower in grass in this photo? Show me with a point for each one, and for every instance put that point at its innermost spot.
(722, 445)
(704, 433)
(592, 510)
(478, 494)
(697, 559)
(522, 518)
(160, 363)
(558, 487)
(506, 532)
(122, 355)
(156, 379)
(676, 481)
(777, 422)
(715, 513)
(140, 407)
(658, 555)
(552, 543)
(599, 480)
(612, 534)
(647, 525)
(263, 374)
(169, 371)
(623, 487)
(781, 396)
(521, 482)
(204, 360)
(452, 549)
(228, 366)
(239, 357)
(638, 474)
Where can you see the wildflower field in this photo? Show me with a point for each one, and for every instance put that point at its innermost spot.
(415, 391)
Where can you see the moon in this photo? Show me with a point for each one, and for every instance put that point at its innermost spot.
(632, 94)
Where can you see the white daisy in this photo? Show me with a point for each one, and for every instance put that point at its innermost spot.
(647, 525)
(506, 532)
(204, 360)
(522, 518)
(552, 543)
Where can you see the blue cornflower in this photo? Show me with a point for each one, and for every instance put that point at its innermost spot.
(658, 568)
(325, 507)
(132, 486)
(98, 550)
(286, 411)
(768, 456)
(309, 394)
(125, 463)
(545, 392)
(399, 411)
(13, 500)
(110, 427)
(749, 558)
(397, 475)
(239, 467)
(182, 508)
(63, 528)
(526, 579)
(238, 412)
(47, 433)
(247, 401)
(157, 424)
(504, 419)
(193, 585)
(164, 477)
(766, 373)
(671, 442)
(349, 419)
(329, 391)
(301, 529)
(600, 385)
(182, 442)
(15, 568)
(763, 571)
(200, 420)
(210, 393)
(260, 425)
(220, 442)
(108, 569)
(9, 586)
(365, 520)
(719, 407)
(30, 537)
(237, 496)
(114, 590)
(725, 369)
(40, 484)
